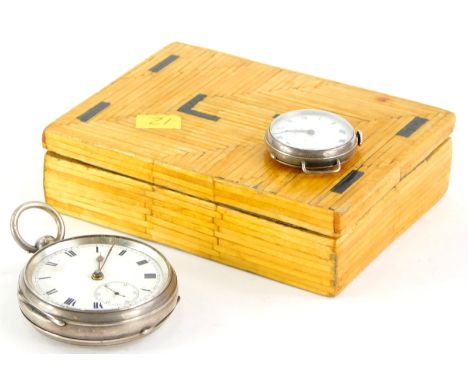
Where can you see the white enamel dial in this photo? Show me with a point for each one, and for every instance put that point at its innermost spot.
(130, 277)
(312, 130)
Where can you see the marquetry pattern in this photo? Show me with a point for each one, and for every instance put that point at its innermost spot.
(212, 189)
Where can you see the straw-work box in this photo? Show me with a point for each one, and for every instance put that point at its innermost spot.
(206, 183)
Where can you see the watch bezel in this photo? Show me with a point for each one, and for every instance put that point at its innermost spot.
(92, 239)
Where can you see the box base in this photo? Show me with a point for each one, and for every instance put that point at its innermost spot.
(265, 246)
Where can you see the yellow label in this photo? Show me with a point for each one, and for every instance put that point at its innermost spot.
(158, 121)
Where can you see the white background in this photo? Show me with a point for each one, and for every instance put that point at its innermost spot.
(404, 317)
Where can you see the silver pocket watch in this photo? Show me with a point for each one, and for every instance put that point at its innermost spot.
(93, 290)
(315, 140)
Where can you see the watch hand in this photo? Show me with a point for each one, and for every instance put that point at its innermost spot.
(108, 287)
(97, 274)
(107, 256)
(99, 260)
(310, 132)
(115, 292)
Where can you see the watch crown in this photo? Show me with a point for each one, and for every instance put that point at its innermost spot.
(359, 137)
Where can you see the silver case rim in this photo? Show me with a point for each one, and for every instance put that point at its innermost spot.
(94, 327)
(314, 158)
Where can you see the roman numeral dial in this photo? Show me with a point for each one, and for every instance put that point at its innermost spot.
(131, 276)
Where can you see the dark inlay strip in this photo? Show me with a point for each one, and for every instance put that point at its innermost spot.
(87, 115)
(150, 275)
(142, 262)
(161, 65)
(188, 108)
(347, 181)
(412, 126)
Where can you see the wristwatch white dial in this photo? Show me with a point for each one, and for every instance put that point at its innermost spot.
(315, 140)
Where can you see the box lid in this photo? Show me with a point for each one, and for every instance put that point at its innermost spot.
(226, 104)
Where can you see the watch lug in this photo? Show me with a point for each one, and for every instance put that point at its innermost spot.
(321, 170)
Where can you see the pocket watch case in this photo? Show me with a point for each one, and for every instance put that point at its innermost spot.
(210, 186)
